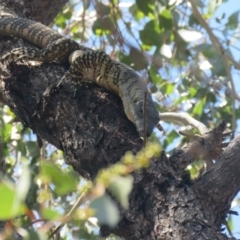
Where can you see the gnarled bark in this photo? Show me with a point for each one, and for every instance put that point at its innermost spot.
(93, 131)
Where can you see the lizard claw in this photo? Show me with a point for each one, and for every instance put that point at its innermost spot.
(16, 55)
(59, 84)
(21, 53)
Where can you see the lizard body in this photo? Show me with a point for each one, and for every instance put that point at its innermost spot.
(86, 63)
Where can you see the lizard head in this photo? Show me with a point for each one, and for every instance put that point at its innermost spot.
(152, 116)
(133, 90)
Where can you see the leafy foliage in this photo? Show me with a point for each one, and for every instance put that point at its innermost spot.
(167, 43)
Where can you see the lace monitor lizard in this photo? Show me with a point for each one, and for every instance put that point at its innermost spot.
(95, 66)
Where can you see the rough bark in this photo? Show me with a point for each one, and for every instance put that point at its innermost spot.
(94, 132)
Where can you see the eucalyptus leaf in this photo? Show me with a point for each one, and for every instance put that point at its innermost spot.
(50, 214)
(11, 204)
(233, 21)
(189, 36)
(166, 51)
(23, 184)
(35, 235)
(106, 210)
(145, 6)
(121, 188)
(166, 19)
(64, 181)
(198, 109)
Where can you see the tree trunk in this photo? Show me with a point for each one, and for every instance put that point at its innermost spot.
(93, 131)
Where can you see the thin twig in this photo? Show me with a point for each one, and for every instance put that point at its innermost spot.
(145, 119)
(68, 215)
(35, 221)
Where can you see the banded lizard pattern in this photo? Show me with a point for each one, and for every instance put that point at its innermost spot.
(86, 63)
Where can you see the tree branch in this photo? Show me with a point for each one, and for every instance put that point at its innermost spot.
(185, 119)
(219, 186)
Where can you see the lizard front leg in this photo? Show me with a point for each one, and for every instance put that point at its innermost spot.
(60, 49)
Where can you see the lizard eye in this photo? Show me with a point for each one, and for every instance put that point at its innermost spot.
(141, 112)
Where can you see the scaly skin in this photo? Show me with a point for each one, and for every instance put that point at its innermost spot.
(95, 66)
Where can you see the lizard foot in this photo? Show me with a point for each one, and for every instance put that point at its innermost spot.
(21, 53)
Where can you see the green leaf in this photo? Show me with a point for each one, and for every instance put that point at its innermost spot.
(136, 13)
(218, 66)
(205, 48)
(64, 181)
(23, 184)
(121, 188)
(167, 87)
(166, 20)
(33, 234)
(61, 19)
(61, 22)
(145, 6)
(211, 97)
(193, 20)
(106, 210)
(50, 214)
(21, 147)
(103, 26)
(7, 132)
(213, 57)
(233, 21)
(172, 136)
(213, 5)
(156, 79)
(11, 205)
(198, 109)
(67, 13)
(230, 222)
(102, 9)
(125, 58)
(192, 91)
(138, 58)
(150, 35)
(33, 149)
(146, 47)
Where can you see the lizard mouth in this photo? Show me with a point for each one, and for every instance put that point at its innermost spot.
(149, 129)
